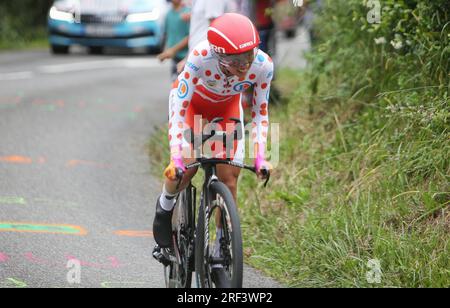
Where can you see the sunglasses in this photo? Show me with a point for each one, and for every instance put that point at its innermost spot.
(242, 60)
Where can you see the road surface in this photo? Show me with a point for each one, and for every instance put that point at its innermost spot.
(75, 178)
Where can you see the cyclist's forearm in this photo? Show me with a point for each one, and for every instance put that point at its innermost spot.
(260, 110)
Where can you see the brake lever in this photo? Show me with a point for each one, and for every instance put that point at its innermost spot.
(179, 176)
(266, 173)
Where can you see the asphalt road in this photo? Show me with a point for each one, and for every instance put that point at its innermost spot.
(75, 178)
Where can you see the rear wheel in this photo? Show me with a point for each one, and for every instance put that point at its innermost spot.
(96, 50)
(230, 258)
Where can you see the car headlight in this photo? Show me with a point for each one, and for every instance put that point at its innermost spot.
(57, 14)
(147, 16)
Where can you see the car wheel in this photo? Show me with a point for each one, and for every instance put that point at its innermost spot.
(59, 49)
(96, 50)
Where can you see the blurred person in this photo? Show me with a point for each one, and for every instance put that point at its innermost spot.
(219, 69)
(203, 12)
(177, 36)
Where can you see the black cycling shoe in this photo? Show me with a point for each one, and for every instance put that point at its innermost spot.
(162, 227)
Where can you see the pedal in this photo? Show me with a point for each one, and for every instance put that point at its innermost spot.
(159, 256)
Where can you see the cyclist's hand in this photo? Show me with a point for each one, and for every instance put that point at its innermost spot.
(263, 168)
(176, 164)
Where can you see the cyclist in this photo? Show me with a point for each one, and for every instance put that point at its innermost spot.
(217, 72)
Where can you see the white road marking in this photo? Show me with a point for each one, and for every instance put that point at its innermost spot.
(16, 76)
(95, 65)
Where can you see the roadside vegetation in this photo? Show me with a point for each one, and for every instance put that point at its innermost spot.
(23, 24)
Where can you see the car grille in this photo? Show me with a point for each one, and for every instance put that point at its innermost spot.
(101, 19)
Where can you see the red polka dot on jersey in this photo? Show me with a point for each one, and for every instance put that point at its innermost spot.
(217, 76)
(252, 76)
(182, 113)
(204, 52)
(180, 136)
(265, 123)
(208, 73)
(264, 134)
(187, 75)
(180, 124)
(185, 104)
(195, 80)
(196, 53)
(170, 137)
(254, 125)
(264, 106)
(253, 115)
(170, 125)
(264, 85)
(254, 135)
(263, 112)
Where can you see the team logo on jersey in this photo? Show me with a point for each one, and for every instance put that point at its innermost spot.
(241, 86)
(192, 66)
(183, 89)
(211, 83)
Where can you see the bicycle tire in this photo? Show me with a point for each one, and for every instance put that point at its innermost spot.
(202, 270)
(184, 205)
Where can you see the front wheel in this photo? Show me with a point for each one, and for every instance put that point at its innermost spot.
(214, 255)
(59, 49)
(179, 273)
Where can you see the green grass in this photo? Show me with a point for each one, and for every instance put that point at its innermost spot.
(349, 190)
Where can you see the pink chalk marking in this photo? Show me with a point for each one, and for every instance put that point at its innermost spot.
(3, 258)
(114, 263)
(38, 101)
(33, 259)
(41, 160)
(73, 163)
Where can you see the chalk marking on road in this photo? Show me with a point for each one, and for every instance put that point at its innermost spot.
(16, 76)
(73, 163)
(132, 233)
(13, 283)
(3, 258)
(42, 228)
(113, 263)
(16, 159)
(12, 200)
